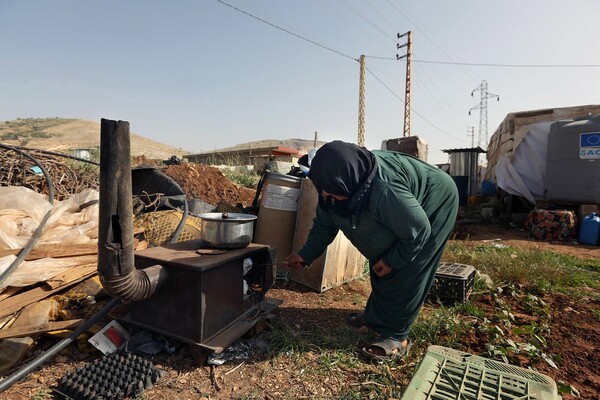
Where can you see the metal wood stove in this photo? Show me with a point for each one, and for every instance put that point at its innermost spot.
(211, 299)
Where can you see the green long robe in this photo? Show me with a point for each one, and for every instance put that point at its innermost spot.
(409, 218)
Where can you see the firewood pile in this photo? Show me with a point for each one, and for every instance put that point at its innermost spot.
(68, 176)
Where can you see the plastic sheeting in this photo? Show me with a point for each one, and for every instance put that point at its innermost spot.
(22, 209)
(30, 272)
(524, 174)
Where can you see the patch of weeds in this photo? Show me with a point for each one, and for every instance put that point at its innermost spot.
(535, 305)
(541, 286)
(246, 179)
(597, 314)
(366, 269)
(470, 309)
(342, 337)
(286, 340)
(332, 360)
(43, 394)
(480, 284)
(511, 265)
(378, 385)
(564, 387)
(443, 326)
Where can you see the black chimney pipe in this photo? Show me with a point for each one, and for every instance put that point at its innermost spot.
(116, 266)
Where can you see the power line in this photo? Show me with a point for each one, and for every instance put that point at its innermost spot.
(494, 64)
(467, 73)
(336, 52)
(512, 65)
(342, 16)
(349, 6)
(415, 111)
(287, 31)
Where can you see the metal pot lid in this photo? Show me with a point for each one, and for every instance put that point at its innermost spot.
(234, 217)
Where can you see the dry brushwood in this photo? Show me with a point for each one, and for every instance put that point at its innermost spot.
(68, 176)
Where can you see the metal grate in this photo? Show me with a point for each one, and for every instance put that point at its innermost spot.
(447, 374)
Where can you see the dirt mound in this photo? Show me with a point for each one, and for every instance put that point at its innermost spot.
(208, 184)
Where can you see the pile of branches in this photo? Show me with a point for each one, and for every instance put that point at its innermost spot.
(68, 176)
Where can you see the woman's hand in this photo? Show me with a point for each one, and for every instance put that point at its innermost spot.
(381, 269)
(294, 260)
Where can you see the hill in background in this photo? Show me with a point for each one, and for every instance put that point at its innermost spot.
(301, 145)
(65, 134)
(62, 135)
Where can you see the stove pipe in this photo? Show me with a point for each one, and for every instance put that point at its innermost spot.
(116, 266)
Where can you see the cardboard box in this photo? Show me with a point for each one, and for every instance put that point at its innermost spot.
(340, 263)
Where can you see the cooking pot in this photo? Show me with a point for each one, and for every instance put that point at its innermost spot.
(227, 230)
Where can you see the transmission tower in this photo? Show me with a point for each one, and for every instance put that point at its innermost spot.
(408, 56)
(361, 104)
(482, 107)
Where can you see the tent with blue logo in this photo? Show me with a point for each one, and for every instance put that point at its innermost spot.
(548, 155)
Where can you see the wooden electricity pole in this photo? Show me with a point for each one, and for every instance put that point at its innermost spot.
(408, 56)
(361, 104)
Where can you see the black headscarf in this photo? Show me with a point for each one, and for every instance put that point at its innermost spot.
(344, 169)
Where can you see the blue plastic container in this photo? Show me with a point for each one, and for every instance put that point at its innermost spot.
(589, 233)
(488, 188)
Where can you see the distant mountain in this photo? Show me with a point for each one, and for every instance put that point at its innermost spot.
(301, 145)
(62, 135)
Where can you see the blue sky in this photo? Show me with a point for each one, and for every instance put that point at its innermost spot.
(200, 75)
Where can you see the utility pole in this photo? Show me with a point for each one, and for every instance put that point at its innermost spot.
(315, 141)
(361, 103)
(471, 133)
(483, 114)
(408, 56)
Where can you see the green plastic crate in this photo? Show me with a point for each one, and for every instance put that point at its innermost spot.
(448, 374)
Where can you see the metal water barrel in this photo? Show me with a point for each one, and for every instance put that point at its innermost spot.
(276, 221)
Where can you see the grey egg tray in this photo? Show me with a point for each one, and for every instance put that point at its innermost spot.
(111, 377)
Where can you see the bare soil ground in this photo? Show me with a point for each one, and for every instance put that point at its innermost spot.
(574, 339)
(332, 369)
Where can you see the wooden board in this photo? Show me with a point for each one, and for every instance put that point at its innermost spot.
(340, 263)
(18, 301)
(55, 251)
(29, 330)
(86, 268)
(9, 291)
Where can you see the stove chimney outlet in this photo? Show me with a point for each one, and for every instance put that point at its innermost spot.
(116, 266)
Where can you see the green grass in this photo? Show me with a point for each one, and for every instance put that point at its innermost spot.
(43, 394)
(439, 326)
(469, 309)
(320, 353)
(534, 268)
(243, 178)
